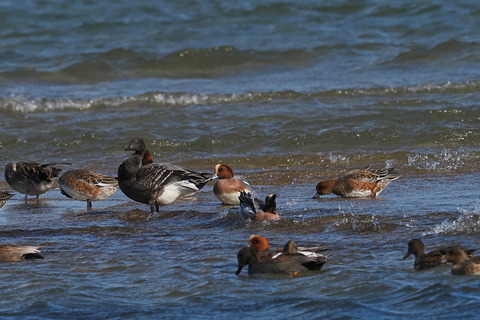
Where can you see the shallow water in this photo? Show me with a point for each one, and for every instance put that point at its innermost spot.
(285, 93)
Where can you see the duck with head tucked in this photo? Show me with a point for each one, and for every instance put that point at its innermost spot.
(357, 184)
(156, 184)
(31, 178)
(87, 185)
(227, 189)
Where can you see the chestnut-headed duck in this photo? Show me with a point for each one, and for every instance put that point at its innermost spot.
(31, 178)
(4, 196)
(291, 264)
(364, 183)
(227, 189)
(18, 253)
(87, 185)
(252, 209)
(429, 260)
(462, 264)
(261, 246)
(156, 184)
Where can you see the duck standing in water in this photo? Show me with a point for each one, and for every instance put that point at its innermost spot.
(156, 184)
(31, 178)
(87, 185)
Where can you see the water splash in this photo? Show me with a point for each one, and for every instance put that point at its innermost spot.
(446, 159)
(468, 221)
(357, 223)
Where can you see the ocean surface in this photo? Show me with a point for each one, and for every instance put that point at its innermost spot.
(287, 93)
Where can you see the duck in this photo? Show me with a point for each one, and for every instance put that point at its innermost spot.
(4, 197)
(423, 261)
(252, 209)
(261, 246)
(360, 183)
(156, 184)
(291, 248)
(10, 252)
(87, 185)
(432, 259)
(291, 264)
(227, 189)
(462, 264)
(31, 178)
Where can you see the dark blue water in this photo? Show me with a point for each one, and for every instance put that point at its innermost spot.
(286, 93)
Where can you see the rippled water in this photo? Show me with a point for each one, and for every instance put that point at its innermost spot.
(287, 94)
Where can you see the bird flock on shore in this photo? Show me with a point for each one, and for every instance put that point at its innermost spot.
(161, 184)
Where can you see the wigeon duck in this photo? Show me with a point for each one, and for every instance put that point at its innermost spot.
(291, 248)
(227, 189)
(255, 210)
(87, 185)
(357, 184)
(4, 196)
(31, 178)
(292, 264)
(462, 265)
(18, 253)
(156, 184)
(262, 248)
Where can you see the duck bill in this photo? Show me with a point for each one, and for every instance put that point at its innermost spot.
(406, 256)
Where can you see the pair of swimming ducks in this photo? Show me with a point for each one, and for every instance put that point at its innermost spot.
(462, 260)
(160, 184)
